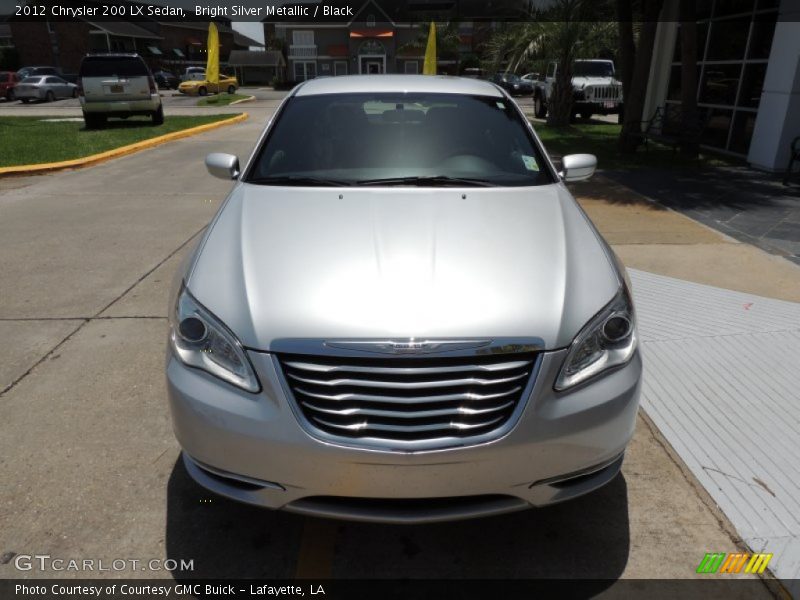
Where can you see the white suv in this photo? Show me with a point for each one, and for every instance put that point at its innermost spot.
(117, 85)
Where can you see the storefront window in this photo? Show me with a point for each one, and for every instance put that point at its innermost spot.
(731, 67)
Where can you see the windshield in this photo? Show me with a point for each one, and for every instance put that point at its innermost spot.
(399, 139)
(592, 69)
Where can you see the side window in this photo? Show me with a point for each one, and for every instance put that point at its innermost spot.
(303, 38)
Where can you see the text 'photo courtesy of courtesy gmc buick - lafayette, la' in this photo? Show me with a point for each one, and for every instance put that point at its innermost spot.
(400, 313)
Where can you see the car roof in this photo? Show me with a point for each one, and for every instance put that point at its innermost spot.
(439, 84)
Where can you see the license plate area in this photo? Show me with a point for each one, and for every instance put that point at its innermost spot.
(117, 89)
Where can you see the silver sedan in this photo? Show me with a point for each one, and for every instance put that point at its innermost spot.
(401, 314)
(44, 87)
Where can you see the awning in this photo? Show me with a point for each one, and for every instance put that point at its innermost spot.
(154, 50)
(371, 33)
(179, 53)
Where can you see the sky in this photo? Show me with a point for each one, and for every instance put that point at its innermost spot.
(252, 30)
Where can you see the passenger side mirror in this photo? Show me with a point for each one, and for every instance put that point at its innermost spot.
(224, 166)
(578, 167)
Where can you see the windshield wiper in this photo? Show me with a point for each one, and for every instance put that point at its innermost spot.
(299, 180)
(424, 180)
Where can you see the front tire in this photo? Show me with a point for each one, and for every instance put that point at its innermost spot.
(49, 97)
(10, 95)
(202, 91)
(539, 108)
(158, 116)
(231, 90)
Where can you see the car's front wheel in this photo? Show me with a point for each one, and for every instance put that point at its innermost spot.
(158, 116)
(202, 91)
(539, 108)
(49, 97)
(10, 95)
(231, 89)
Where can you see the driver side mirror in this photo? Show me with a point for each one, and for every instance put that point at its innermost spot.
(224, 166)
(577, 167)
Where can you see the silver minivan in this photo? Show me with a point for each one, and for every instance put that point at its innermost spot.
(401, 314)
(117, 85)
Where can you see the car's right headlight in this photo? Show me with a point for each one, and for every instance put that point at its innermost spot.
(609, 340)
(202, 341)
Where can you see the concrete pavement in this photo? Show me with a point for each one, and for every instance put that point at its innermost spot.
(86, 445)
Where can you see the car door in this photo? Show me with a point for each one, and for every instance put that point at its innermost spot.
(60, 87)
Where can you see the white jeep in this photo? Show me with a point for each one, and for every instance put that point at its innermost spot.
(596, 89)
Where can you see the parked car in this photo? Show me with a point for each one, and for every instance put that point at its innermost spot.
(531, 77)
(401, 317)
(166, 80)
(8, 81)
(473, 73)
(194, 74)
(595, 89)
(513, 84)
(30, 71)
(117, 85)
(226, 83)
(44, 87)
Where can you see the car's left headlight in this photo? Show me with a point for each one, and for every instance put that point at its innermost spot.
(202, 341)
(609, 340)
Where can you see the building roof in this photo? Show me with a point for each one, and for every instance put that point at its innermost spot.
(256, 58)
(239, 39)
(124, 28)
(440, 84)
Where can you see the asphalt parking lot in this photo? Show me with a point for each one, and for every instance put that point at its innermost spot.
(174, 103)
(89, 462)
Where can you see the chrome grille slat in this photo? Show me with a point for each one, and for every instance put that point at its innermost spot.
(407, 370)
(400, 385)
(393, 414)
(408, 428)
(408, 398)
(401, 400)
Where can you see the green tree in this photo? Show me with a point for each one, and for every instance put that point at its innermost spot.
(565, 31)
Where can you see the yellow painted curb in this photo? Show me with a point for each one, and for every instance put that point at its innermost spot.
(117, 152)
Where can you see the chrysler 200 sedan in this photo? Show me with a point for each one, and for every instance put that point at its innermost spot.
(400, 313)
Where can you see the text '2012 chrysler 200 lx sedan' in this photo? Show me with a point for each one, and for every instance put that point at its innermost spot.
(401, 314)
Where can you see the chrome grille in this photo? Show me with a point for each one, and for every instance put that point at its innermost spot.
(603, 92)
(408, 398)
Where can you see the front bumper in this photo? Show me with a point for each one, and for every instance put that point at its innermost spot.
(599, 108)
(251, 447)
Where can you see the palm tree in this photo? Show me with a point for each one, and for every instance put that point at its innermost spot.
(564, 32)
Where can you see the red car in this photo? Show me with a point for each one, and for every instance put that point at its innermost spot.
(8, 80)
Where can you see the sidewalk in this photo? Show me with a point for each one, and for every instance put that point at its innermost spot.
(721, 367)
(749, 205)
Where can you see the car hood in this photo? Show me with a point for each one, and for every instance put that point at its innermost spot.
(321, 263)
(584, 81)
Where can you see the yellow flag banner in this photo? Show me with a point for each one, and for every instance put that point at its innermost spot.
(212, 66)
(430, 52)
